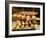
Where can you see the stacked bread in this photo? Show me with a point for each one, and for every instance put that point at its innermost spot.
(25, 20)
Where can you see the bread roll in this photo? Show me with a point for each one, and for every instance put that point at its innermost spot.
(28, 18)
(33, 16)
(26, 22)
(23, 22)
(34, 22)
(18, 27)
(22, 26)
(23, 17)
(14, 15)
(19, 22)
(19, 16)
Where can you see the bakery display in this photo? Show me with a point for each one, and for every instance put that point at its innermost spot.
(25, 20)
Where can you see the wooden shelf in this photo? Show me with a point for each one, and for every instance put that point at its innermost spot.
(27, 13)
(25, 19)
